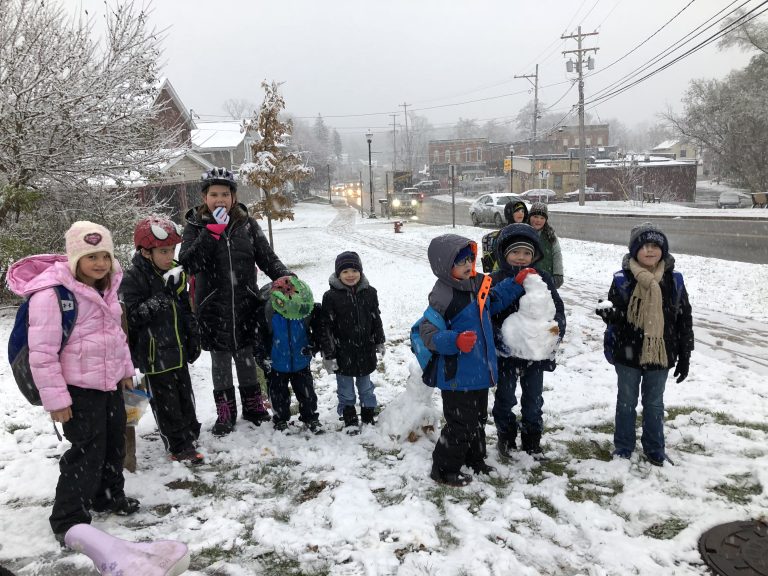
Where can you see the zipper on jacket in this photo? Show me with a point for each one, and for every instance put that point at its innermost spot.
(232, 291)
(290, 345)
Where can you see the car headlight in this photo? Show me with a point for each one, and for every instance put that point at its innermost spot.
(414, 202)
(396, 203)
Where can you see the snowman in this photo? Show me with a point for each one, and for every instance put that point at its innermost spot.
(413, 413)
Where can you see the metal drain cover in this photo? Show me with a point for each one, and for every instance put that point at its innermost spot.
(736, 548)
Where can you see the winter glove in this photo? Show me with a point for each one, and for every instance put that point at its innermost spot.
(221, 216)
(381, 350)
(681, 370)
(520, 278)
(487, 262)
(607, 312)
(466, 340)
(175, 281)
(558, 278)
(307, 351)
(330, 365)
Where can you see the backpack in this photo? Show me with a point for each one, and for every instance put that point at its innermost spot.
(488, 245)
(18, 344)
(427, 358)
(622, 284)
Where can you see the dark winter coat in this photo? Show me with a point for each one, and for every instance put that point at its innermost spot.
(289, 344)
(507, 271)
(224, 270)
(678, 321)
(352, 326)
(552, 259)
(162, 330)
(456, 301)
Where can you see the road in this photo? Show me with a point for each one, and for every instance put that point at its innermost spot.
(729, 238)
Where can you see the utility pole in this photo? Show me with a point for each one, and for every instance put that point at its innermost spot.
(329, 184)
(407, 140)
(580, 70)
(535, 116)
(394, 142)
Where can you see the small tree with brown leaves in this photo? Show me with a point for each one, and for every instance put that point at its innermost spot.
(274, 164)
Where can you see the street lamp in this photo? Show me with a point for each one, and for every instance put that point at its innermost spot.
(511, 154)
(369, 137)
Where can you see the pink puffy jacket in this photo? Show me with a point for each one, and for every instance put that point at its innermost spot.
(96, 355)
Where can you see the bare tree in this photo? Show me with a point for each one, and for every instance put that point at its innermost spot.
(78, 123)
(274, 164)
(239, 108)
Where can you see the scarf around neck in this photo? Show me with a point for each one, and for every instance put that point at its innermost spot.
(645, 312)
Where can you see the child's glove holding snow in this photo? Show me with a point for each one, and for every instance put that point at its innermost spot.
(520, 278)
(606, 311)
(175, 281)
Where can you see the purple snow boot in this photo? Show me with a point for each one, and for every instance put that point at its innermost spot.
(226, 411)
(115, 557)
(253, 405)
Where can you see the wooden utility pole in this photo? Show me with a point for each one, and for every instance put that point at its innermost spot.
(407, 139)
(580, 70)
(394, 142)
(535, 118)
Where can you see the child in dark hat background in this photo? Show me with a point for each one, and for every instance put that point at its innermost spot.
(652, 327)
(552, 258)
(352, 336)
(515, 212)
(518, 249)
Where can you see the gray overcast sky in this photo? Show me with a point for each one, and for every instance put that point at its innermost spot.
(351, 57)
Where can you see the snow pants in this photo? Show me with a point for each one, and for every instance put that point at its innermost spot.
(245, 365)
(92, 469)
(173, 404)
(531, 399)
(462, 439)
(280, 395)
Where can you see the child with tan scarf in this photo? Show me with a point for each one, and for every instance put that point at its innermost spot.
(652, 331)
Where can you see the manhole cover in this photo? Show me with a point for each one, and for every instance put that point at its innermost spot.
(736, 548)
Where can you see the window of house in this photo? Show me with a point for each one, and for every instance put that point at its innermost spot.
(479, 154)
(599, 140)
(557, 182)
(575, 141)
(683, 153)
(589, 141)
(437, 156)
(565, 142)
(468, 154)
(447, 156)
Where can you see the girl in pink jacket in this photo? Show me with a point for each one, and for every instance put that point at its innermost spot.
(81, 385)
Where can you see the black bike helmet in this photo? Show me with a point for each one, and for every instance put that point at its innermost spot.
(218, 176)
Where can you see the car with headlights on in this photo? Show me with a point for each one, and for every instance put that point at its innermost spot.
(403, 204)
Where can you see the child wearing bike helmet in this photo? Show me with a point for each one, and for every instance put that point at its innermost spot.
(289, 326)
(221, 247)
(163, 334)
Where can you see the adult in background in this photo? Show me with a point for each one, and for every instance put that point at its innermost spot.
(221, 247)
(552, 259)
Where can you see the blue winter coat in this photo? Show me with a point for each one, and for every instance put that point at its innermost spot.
(290, 344)
(456, 301)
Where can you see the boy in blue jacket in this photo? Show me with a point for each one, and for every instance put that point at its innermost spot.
(466, 361)
(289, 326)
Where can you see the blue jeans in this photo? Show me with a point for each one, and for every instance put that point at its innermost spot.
(345, 390)
(629, 384)
(531, 399)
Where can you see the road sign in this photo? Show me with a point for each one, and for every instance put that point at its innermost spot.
(543, 174)
(507, 164)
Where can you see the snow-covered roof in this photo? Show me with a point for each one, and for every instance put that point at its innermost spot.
(666, 145)
(217, 135)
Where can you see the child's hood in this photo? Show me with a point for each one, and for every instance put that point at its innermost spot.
(520, 230)
(35, 273)
(442, 252)
(336, 283)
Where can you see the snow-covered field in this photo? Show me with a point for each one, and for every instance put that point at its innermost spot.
(269, 503)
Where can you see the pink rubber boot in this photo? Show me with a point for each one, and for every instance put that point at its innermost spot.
(116, 557)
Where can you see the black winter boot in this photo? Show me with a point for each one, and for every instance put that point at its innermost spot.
(531, 442)
(507, 443)
(457, 479)
(366, 415)
(351, 423)
(253, 405)
(226, 411)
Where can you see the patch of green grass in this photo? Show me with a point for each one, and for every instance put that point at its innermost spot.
(543, 505)
(195, 487)
(667, 529)
(604, 428)
(584, 449)
(722, 418)
(741, 490)
(12, 427)
(550, 467)
(162, 510)
(583, 490)
(691, 447)
(388, 497)
(207, 556)
(447, 536)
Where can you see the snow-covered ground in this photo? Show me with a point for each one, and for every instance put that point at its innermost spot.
(269, 503)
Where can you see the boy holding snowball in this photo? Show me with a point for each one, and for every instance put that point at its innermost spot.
(527, 335)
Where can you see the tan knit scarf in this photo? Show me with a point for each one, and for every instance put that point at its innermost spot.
(645, 312)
